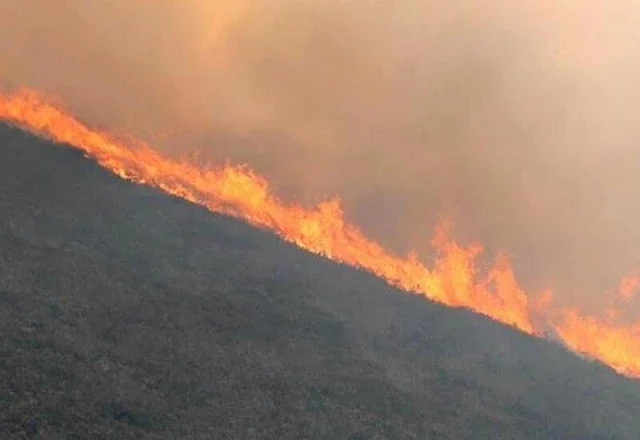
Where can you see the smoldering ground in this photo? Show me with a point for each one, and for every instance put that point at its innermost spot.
(516, 120)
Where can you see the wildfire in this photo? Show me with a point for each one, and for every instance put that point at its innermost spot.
(454, 278)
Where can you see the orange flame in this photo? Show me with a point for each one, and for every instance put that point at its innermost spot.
(453, 280)
(614, 344)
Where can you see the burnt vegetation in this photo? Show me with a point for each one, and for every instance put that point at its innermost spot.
(125, 313)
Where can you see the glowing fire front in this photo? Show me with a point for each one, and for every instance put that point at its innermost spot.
(454, 278)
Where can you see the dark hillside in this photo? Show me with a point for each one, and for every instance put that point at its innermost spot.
(125, 313)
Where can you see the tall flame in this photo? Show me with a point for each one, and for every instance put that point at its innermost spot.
(454, 278)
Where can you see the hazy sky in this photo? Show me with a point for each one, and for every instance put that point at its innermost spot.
(516, 119)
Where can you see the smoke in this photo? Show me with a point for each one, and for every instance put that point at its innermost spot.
(516, 120)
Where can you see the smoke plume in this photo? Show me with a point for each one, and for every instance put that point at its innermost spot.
(516, 120)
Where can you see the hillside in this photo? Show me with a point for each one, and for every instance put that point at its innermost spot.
(125, 313)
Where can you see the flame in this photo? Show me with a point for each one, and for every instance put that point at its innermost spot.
(614, 344)
(454, 278)
(607, 339)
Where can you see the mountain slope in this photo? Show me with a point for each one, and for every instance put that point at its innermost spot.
(125, 313)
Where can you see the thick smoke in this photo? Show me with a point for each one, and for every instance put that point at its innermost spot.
(517, 120)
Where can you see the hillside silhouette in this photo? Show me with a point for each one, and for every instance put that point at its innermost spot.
(126, 313)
